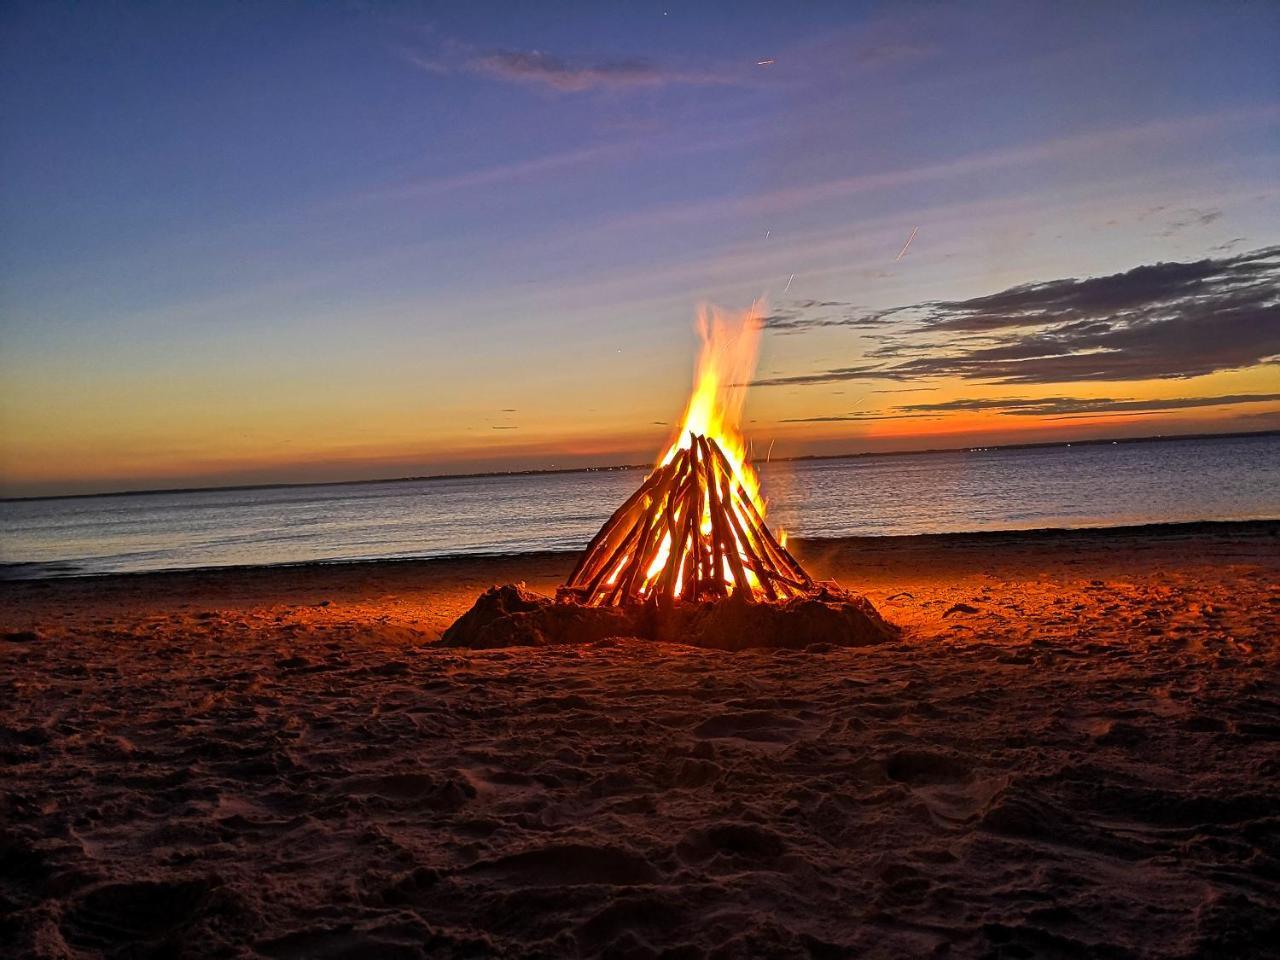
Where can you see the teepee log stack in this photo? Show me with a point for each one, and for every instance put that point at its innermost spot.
(691, 532)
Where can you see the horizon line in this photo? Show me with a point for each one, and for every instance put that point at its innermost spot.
(604, 468)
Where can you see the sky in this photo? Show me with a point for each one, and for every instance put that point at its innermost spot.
(280, 242)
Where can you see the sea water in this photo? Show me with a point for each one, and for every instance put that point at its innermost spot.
(1082, 485)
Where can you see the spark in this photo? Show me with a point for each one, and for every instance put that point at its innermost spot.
(763, 63)
(903, 252)
(788, 286)
(766, 234)
(769, 456)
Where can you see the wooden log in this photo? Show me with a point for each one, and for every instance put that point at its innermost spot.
(782, 556)
(612, 562)
(707, 479)
(590, 573)
(676, 560)
(653, 518)
(753, 557)
(615, 518)
(731, 540)
(786, 581)
(696, 498)
(676, 513)
(726, 543)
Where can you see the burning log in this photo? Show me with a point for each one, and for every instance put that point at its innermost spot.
(691, 532)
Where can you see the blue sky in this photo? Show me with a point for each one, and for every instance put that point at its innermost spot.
(320, 241)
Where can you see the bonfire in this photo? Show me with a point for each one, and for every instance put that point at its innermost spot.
(695, 529)
(688, 556)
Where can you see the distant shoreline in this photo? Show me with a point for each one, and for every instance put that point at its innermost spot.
(644, 466)
(1268, 527)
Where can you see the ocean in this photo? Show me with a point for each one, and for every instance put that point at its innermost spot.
(1080, 485)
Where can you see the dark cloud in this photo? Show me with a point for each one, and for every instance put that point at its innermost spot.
(543, 69)
(1192, 218)
(1060, 406)
(859, 417)
(1051, 408)
(866, 372)
(1160, 321)
(797, 315)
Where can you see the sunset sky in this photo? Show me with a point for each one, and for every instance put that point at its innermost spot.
(326, 241)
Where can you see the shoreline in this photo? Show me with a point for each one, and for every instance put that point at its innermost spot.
(415, 600)
(13, 572)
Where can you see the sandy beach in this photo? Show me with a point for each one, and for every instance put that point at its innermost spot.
(1071, 752)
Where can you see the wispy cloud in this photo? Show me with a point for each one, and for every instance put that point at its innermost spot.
(1160, 321)
(1048, 408)
(503, 173)
(548, 71)
(1192, 218)
(1080, 144)
(537, 68)
(1054, 407)
(861, 417)
(796, 316)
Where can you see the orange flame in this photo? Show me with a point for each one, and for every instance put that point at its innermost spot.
(726, 363)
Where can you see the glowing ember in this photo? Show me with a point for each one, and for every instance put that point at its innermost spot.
(695, 529)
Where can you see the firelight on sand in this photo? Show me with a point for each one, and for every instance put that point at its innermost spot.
(695, 529)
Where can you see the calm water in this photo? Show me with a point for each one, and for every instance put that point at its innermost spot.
(1092, 485)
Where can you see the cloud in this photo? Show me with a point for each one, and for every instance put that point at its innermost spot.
(1160, 321)
(538, 68)
(799, 315)
(865, 372)
(503, 173)
(860, 417)
(1089, 143)
(1075, 406)
(1192, 218)
(1047, 408)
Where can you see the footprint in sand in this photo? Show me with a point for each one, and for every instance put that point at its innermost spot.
(568, 864)
(413, 788)
(741, 843)
(759, 726)
(142, 914)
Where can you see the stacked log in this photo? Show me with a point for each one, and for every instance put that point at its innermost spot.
(691, 532)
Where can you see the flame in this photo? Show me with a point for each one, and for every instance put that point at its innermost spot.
(726, 363)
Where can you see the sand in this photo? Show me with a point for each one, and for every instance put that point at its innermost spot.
(1073, 751)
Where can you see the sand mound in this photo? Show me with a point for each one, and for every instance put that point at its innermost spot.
(512, 616)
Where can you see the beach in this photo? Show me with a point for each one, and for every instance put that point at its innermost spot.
(1071, 751)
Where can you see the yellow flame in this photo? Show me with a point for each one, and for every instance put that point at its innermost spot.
(726, 363)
